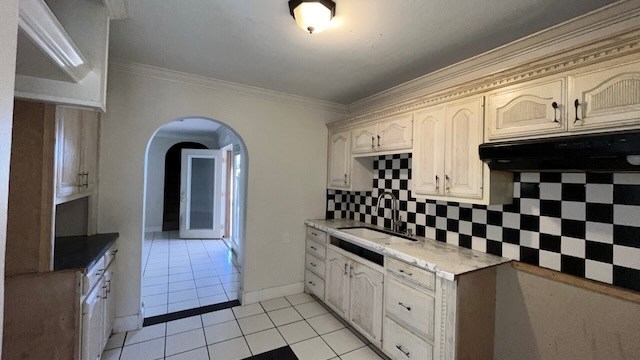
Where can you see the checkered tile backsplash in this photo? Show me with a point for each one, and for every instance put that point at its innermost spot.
(585, 224)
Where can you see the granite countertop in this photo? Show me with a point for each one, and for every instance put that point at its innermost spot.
(81, 252)
(446, 260)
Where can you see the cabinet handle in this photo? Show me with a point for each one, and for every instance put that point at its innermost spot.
(437, 183)
(114, 252)
(577, 104)
(405, 306)
(312, 283)
(314, 234)
(372, 140)
(313, 248)
(447, 180)
(406, 353)
(378, 140)
(554, 105)
(312, 264)
(345, 269)
(345, 178)
(404, 272)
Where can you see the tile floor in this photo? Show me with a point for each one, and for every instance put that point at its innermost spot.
(183, 274)
(298, 321)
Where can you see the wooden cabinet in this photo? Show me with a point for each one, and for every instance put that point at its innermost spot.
(337, 283)
(446, 163)
(339, 162)
(530, 109)
(607, 98)
(385, 136)
(355, 292)
(76, 158)
(442, 320)
(365, 301)
(314, 274)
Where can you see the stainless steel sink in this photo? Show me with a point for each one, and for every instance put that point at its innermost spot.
(374, 235)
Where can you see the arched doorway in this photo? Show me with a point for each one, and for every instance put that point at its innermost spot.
(180, 274)
(171, 202)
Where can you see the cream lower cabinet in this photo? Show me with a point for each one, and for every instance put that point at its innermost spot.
(355, 291)
(93, 332)
(314, 273)
(446, 163)
(427, 317)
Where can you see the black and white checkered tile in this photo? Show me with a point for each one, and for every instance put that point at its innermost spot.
(585, 224)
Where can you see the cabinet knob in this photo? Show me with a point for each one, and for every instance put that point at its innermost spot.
(554, 105)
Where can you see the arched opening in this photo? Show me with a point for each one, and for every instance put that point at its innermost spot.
(171, 200)
(183, 272)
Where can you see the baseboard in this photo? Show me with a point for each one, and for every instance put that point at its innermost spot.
(128, 323)
(153, 229)
(255, 296)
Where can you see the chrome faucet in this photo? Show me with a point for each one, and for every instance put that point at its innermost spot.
(395, 222)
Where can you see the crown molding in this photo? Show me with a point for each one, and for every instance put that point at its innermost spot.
(117, 9)
(225, 86)
(39, 23)
(601, 35)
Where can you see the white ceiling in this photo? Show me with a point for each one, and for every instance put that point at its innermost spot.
(372, 45)
(192, 127)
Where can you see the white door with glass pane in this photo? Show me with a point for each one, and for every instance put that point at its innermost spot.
(201, 194)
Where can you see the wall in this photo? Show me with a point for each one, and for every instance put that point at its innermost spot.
(538, 318)
(155, 175)
(8, 38)
(286, 139)
(581, 224)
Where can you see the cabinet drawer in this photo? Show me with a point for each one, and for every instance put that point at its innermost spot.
(400, 344)
(317, 235)
(316, 249)
(315, 265)
(421, 277)
(410, 307)
(314, 284)
(110, 255)
(93, 276)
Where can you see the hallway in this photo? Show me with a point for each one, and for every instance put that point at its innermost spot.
(184, 274)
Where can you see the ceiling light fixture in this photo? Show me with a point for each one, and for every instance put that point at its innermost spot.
(312, 15)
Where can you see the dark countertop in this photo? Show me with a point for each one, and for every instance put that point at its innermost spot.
(81, 252)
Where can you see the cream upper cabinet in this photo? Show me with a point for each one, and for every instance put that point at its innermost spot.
(363, 139)
(337, 282)
(68, 145)
(77, 133)
(389, 135)
(365, 304)
(606, 98)
(428, 147)
(464, 133)
(446, 164)
(529, 109)
(339, 160)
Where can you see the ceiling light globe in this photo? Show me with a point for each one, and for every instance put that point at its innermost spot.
(312, 16)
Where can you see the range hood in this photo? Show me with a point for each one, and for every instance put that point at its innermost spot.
(613, 151)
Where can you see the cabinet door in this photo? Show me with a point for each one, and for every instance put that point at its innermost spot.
(109, 304)
(90, 135)
(527, 110)
(428, 152)
(608, 98)
(365, 304)
(364, 139)
(463, 167)
(68, 132)
(396, 134)
(337, 283)
(92, 324)
(339, 160)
